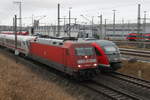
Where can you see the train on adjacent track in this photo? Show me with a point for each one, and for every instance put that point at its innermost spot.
(18, 33)
(136, 37)
(110, 50)
(78, 59)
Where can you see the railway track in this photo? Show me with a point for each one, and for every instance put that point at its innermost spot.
(140, 53)
(133, 43)
(110, 92)
(130, 79)
(139, 59)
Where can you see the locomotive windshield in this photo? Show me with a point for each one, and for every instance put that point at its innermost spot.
(84, 51)
(110, 49)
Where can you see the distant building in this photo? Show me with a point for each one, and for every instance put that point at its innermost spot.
(76, 30)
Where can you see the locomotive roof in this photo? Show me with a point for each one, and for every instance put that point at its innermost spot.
(105, 42)
(49, 41)
(71, 43)
(93, 40)
(57, 42)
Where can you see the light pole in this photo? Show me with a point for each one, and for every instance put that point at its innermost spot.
(20, 14)
(69, 21)
(144, 24)
(122, 28)
(92, 25)
(58, 23)
(75, 21)
(101, 22)
(114, 15)
(139, 19)
(105, 28)
(129, 26)
(32, 20)
(64, 23)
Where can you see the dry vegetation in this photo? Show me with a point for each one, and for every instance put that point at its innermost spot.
(22, 81)
(137, 69)
(127, 46)
(18, 83)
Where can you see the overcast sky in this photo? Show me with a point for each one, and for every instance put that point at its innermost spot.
(125, 9)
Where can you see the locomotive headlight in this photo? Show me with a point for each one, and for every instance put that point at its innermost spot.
(116, 59)
(86, 57)
(95, 64)
(79, 66)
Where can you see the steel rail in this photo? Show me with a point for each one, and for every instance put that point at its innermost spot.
(131, 79)
(133, 52)
(110, 92)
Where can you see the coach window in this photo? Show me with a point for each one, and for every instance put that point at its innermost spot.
(60, 43)
(54, 42)
(24, 43)
(97, 52)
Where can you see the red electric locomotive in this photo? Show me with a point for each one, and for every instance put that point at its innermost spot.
(73, 58)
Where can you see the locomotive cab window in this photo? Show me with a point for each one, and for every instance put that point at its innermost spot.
(88, 51)
(110, 49)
